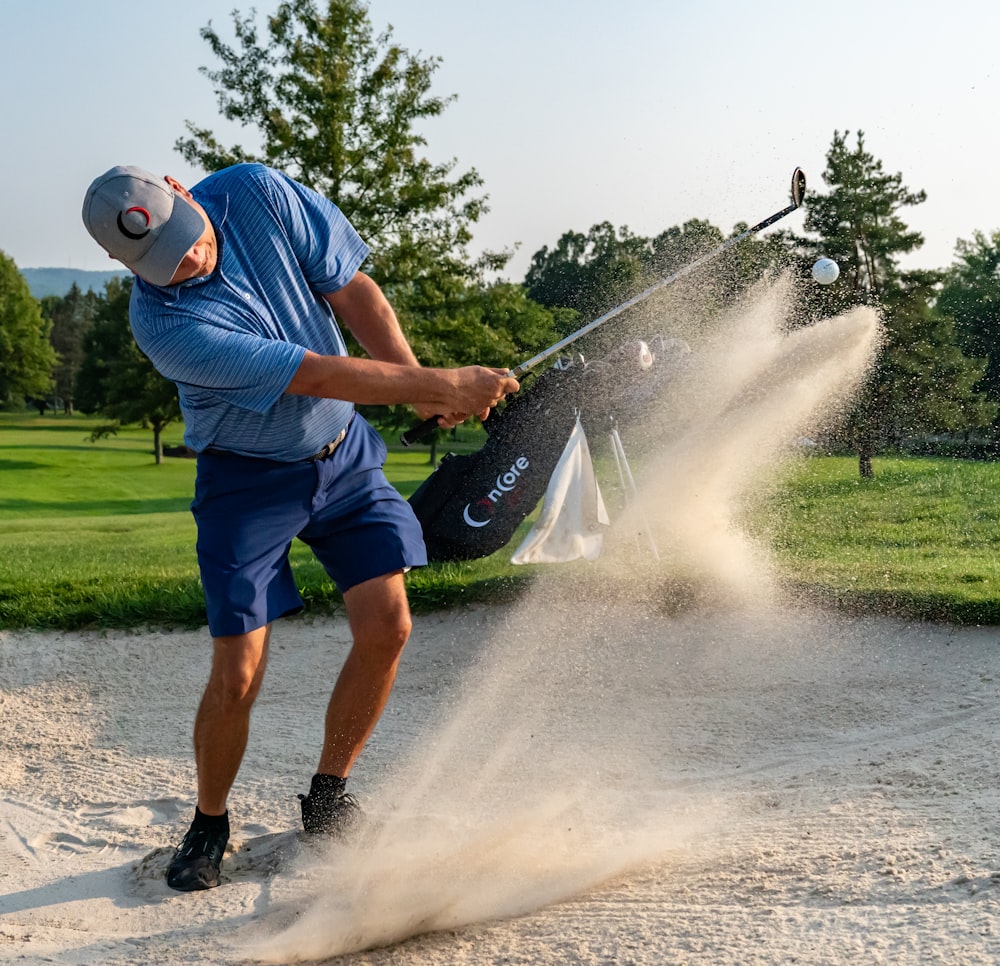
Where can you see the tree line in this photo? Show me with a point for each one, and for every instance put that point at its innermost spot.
(339, 108)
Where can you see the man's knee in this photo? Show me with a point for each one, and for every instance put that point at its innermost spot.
(384, 635)
(379, 613)
(238, 667)
(235, 687)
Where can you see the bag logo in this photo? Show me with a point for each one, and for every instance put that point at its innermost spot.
(505, 483)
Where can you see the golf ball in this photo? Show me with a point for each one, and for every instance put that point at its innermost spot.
(825, 271)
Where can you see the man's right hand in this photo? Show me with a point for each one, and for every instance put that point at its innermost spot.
(456, 392)
(477, 390)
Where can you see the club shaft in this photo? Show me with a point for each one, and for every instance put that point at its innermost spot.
(552, 350)
(418, 432)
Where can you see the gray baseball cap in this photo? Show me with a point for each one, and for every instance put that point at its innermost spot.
(139, 219)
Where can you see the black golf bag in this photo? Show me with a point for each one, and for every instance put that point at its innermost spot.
(470, 506)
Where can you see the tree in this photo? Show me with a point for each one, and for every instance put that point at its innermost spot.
(971, 294)
(589, 273)
(595, 272)
(336, 107)
(115, 379)
(71, 316)
(858, 222)
(26, 357)
(922, 382)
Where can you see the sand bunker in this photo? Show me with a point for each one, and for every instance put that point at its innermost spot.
(584, 777)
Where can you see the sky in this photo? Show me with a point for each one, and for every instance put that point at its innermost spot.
(643, 113)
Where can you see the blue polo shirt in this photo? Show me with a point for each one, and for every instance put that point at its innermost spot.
(232, 340)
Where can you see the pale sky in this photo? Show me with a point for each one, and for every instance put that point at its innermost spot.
(639, 112)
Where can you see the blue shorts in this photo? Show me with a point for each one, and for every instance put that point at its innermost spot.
(249, 510)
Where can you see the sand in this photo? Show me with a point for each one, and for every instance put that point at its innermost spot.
(623, 768)
(751, 787)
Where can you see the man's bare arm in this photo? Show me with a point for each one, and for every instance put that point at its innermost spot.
(393, 374)
(471, 389)
(362, 306)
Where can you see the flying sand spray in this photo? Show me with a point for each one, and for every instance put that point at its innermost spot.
(528, 785)
(551, 767)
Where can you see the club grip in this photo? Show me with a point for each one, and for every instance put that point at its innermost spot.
(418, 432)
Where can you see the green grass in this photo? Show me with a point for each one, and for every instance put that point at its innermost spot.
(920, 539)
(97, 535)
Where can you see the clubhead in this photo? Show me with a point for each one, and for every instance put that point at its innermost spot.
(798, 186)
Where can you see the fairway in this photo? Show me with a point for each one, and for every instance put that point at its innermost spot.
(98, 535)
(93, 533)
(920, 539)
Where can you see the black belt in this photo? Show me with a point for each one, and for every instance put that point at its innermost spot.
(325, 453)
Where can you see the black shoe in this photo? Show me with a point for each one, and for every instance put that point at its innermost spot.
(198, 860)
(329, 810)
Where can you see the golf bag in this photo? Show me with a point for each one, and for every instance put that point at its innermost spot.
(470, 506)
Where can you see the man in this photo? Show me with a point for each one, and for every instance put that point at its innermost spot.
(238, 285)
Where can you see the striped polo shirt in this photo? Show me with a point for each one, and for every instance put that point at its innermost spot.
(232, 340)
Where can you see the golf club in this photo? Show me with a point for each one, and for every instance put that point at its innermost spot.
(418, 432)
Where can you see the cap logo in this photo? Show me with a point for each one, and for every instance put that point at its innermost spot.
(138, 218)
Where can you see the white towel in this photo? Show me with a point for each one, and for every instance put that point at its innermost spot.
(569, 526)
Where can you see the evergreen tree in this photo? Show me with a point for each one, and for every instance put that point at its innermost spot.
(858, 222)
(71, 316)
(922, 381)
(971, 294)
(115, 379)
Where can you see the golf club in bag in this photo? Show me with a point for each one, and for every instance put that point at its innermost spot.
(470, 506)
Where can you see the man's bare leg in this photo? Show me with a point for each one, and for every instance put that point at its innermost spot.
(222, 724)
(221, 728)
(379, 615)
